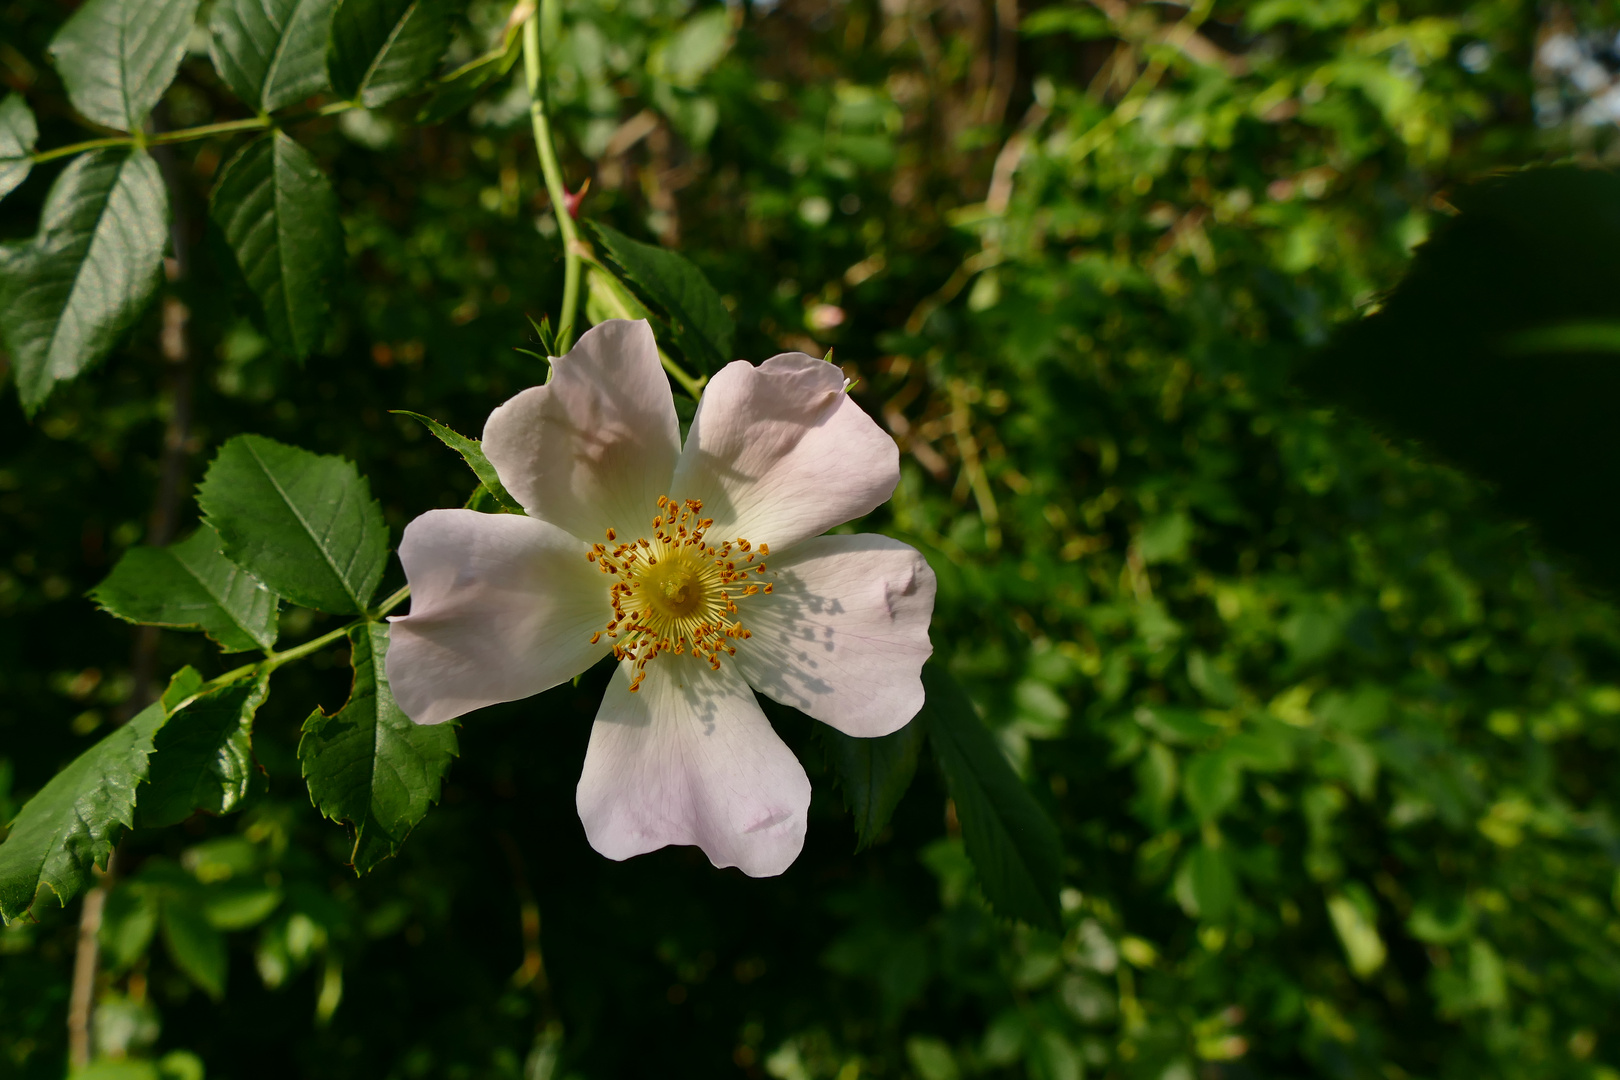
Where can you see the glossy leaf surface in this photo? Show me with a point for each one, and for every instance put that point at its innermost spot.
(703, 327)
(368, 764)
(118, 56)
(279, 216)
(18, 134)
(385, 49)
(68, 295)
(305, 524)
(272, 53)
(202, 758)
(190, 585)
(76, 818)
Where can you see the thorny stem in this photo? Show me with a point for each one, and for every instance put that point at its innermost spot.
(552, 172)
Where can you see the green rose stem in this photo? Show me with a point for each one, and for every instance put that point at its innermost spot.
(534, 76)
(274, 660)
(229, 127)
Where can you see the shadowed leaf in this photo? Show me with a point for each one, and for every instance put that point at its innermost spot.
(368, 764)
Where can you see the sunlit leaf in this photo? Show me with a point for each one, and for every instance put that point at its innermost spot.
(76, 818)
(190, 585)
(67, 296)
(18, 134)
(118, 56)
(703, 327)
(305, 524)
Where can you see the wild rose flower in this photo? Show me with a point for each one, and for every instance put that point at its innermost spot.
(702, 570)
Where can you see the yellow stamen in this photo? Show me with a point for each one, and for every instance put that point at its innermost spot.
(672, 591)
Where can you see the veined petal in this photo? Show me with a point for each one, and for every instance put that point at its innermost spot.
(844, 632)
(502, 607)
(690, 759)
(779, 452)
(596, 446)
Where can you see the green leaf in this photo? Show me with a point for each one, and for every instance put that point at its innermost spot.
(18, 134)
(384, 49)
(72, 291)
(272, 53)
(75, 819)
(462, 86)
(688, 54)
(368, 764)
(1213, 781)
(279, 216)
(875, 773)
(472, 452)
(1205, 885)
(195, 946)
(1498, 351)
(202, 758)
(191, 585)
(1354, 914)
(127, 924)
(118, 56)
(702, 325)
(305, 524)
(1013, 844)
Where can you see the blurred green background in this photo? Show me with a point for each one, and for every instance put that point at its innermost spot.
(1331, 744)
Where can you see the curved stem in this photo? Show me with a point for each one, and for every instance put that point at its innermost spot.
(553, 176)
(274, 660)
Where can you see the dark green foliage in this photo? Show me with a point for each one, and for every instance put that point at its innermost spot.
(368, 764)
(305, 524)
(702, 326)
(190, 585)
(272, 53)
(1499, 352)
(75, 819)
(118, 56)
(202, 757)
(383, 49)
(874, 774)
(69, 294)
(279, 216)
(18, 134)
(461, 87)
(1328, 744)
(472, 452)
(1013, 844)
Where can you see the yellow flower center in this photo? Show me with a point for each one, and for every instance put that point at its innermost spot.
(677, 592)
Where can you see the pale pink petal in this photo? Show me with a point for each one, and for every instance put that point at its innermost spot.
(844, 632)
(689, 758)
(502, 607)
(779, 452)
(595, 447)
